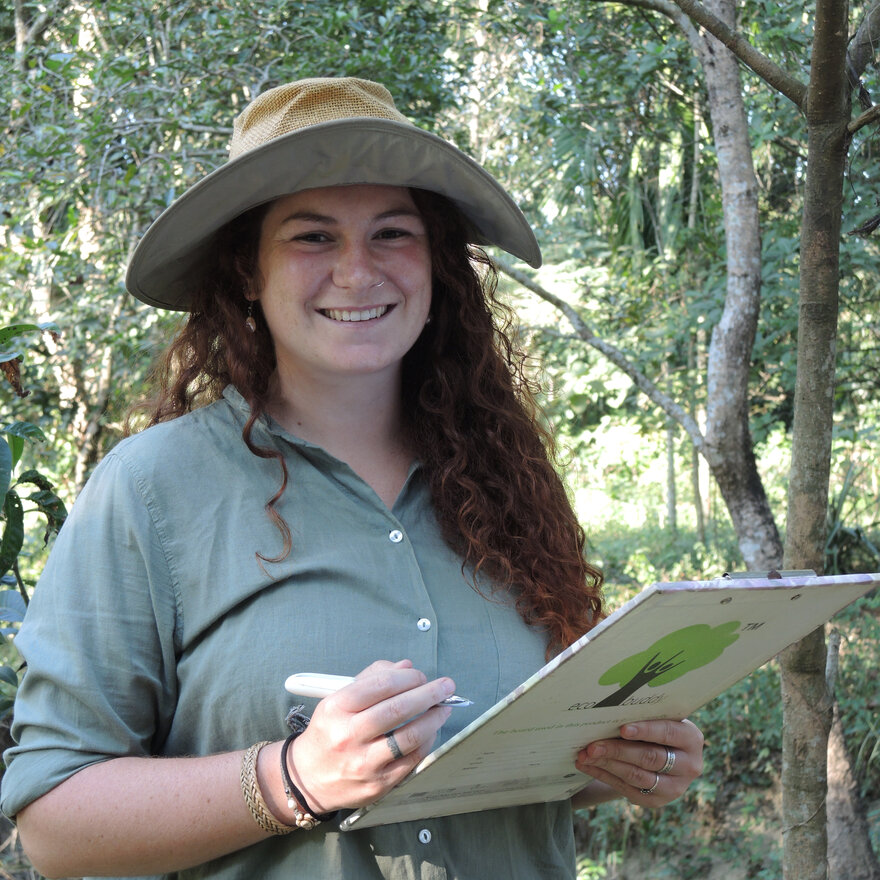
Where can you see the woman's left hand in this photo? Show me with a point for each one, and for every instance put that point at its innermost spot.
(651, 764)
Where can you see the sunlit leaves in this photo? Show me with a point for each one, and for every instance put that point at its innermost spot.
(114, 113)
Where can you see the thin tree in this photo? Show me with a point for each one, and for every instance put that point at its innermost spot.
(825, 103)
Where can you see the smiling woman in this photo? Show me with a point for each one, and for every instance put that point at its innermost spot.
(344, 473)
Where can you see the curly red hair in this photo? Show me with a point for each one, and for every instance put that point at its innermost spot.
(471, 417)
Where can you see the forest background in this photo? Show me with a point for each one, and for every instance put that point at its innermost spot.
(605, 122)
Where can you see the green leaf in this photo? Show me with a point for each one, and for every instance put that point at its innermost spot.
(12, 607)
(16, 445)
(57, 61)
(6, 466)
(25, 430)
(51, 506)
(34, 477)
(14, 330)
(13, 533)
(7, 674)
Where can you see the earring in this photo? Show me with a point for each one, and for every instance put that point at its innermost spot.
(249, 321)
(429, 319)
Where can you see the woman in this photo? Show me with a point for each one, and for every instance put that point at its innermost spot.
(344, 474)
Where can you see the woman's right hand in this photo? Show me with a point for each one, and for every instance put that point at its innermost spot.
(135, 815)
(344, 758)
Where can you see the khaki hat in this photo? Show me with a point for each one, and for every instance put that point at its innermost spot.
(314, 133)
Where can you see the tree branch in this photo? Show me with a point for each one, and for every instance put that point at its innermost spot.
(861, 50)
(863, 46)
(670, 10)
(28, 33)
(869, 116)
(617, 357)
(25, 33)
(771, 73)
(182, 124)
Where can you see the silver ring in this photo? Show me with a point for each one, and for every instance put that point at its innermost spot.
(378, 285)
(670, 762)
(395, 748)
(653, 787)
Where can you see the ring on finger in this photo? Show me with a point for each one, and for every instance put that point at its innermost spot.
(670, 762)
(653, 787)
(395, 748)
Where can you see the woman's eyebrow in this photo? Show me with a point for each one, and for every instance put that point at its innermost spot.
(314, 217)
(310, 217)
(399, 212)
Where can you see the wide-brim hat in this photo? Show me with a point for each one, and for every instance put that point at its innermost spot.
(315, 133)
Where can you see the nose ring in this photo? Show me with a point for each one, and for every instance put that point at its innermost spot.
(379, 284)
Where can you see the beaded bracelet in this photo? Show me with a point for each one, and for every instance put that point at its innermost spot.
(305, 817)
(253, 796)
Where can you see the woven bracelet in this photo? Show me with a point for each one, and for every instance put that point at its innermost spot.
(305, 817)
(253, 796)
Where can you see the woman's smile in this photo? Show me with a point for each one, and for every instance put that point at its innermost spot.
(356, 316)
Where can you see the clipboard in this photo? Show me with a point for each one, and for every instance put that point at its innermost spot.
(666, 652)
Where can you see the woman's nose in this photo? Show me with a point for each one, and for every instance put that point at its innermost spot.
(356, 268)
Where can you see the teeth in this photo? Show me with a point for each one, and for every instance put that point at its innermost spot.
(352, 315)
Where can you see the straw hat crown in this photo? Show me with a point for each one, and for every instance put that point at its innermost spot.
(308, 102)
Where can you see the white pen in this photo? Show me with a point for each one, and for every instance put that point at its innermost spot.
(315, 684)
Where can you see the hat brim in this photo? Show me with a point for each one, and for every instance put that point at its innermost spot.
(363, 150)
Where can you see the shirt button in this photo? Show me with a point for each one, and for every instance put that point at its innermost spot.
(425, 836)
(424, 624)
(395, 536)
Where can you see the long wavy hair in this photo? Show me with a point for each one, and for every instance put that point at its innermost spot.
(470, 411)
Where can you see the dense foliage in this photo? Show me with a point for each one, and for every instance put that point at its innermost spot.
(596, 118)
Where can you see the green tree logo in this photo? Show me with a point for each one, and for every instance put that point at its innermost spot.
(668, 658)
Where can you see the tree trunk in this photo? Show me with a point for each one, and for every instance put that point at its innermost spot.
(671, 491)
(850, 856)
(697, 343)
(728, 439)
(807, 706)
(806, 720)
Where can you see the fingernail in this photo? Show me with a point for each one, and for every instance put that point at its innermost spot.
(596, 752)
(630, 730)
(448, 687)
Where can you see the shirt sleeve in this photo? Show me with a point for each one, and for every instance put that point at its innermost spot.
(98, 639)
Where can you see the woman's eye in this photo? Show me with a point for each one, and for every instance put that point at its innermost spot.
(312, 237)
(393, 233)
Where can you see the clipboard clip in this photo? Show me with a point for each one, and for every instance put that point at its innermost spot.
(772, 575)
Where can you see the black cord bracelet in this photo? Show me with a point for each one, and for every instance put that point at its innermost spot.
(306, 818)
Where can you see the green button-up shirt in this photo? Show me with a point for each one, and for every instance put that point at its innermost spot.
(155, 630)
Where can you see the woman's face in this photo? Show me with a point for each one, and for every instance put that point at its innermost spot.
(346, 274)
